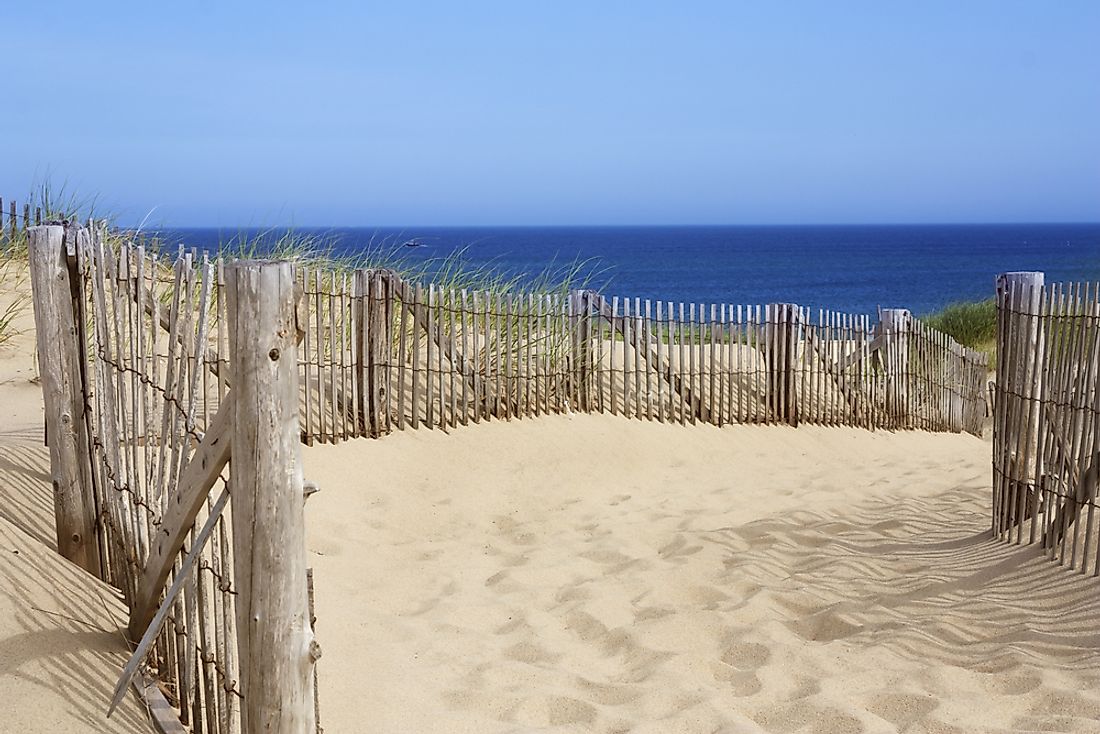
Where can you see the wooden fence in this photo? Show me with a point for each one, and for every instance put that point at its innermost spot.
(143, 416)
(15, 218)
(382, 354)
(155, 374)
(1046, 431)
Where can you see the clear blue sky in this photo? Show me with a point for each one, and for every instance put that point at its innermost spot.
(361, 113)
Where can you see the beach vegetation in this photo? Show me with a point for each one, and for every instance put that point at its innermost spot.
(971, 323)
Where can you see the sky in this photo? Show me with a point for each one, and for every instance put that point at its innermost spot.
(475, 113)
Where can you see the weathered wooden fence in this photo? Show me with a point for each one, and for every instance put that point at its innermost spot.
(16, 218)
(158, 374)
(383, 354)
(155, 377)
(1046, 430)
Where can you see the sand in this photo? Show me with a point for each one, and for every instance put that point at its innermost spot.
(61, 642)
(590, 573)
(593, 574)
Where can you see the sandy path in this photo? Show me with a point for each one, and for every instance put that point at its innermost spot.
(597, 574)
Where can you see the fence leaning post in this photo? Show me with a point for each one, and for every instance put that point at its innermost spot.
(894, 329)
(781, 350)
(275, 643)
(1016, 416)
(63, 394)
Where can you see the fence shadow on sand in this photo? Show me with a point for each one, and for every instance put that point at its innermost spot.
(921, 575)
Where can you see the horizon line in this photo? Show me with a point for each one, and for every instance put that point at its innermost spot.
(626, 226)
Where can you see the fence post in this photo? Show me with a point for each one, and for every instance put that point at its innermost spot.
(1016, 416)
(361, 297)
(275, 642)
(894, 330)
(578, 350)
(63, 396)
(781, 352)
(379, 352)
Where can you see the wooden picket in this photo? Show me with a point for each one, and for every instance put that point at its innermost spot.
(1046, 431)
(149, 374)
(144, 367)
(419, 355)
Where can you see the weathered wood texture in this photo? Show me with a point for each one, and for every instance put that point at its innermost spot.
(379, 354)
(435, 358)
(152, 373)
(59, 335)
(157, 346)
(275, 640)
(1046, 432)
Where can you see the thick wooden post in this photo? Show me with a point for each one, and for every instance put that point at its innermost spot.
(275, 642)
(894, 329)
(781, 351)
(378, 353)
(63, 396)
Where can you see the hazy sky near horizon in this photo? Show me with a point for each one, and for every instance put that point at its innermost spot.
(363, 113)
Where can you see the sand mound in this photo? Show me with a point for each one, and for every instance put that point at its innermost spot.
(61, 643)
(597, 574)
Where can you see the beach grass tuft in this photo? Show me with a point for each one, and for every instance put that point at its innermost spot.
(971, 323)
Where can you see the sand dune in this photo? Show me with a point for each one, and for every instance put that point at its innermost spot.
(596, 574)
(61, 630)
(61, 642)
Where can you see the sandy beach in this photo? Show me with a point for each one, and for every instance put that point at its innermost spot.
(595, 574)
(61, 630)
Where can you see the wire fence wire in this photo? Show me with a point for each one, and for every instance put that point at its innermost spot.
(1046, 440)
(153, 394)
(381, 354)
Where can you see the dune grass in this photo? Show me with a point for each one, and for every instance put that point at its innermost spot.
(55, 204)
(453, 271)
(971, 323)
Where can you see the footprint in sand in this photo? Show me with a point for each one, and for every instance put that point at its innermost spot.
(646, 614)
(608, 694)
(531, 653)
(745, 656)
(824, 627)
(740, 683)
(543, 711)
(1012, 685)
(804, 688)
(804, 716)
(678, 548)
(606, 557)
(903, 709)
(1056, 702)
(511, 530)
(502, 583)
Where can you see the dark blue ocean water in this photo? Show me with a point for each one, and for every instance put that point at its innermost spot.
(849, 268)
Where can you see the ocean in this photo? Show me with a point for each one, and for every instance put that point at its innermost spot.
(855, 269)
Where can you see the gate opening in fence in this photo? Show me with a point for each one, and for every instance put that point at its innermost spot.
(178, 395)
